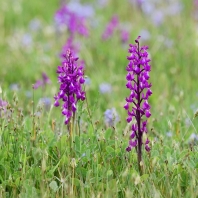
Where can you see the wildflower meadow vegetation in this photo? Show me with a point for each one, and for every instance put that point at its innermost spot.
(99, 98)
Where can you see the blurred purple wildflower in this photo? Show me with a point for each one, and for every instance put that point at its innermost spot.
(87, 81)
(188, 122)
(46, 79)
(38, 84)
(195, 13)
(14, 87)
(139, 2)
(3, 105)
(145, 34)
(35, 25)
(174, 8)
(111, 117)
(73, 21)
(157, 17)
(169, 134)
(105, 88)
(28, 94)
(69, 45)
(81, 10)
(148, 7)
(102, 3)
(124, 34)
(193, 139)
(110, 28)
(168, 42)
(71, 79)
(137, 104)
(46, 102)
(193, 136)
(43, 82)
(194, 107)
(26, 40)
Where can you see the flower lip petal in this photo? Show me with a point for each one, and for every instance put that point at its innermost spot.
(129, 119)
(126, 106)
(147, 113)
(133, 143)
(147, 148)
(128, 149)
(132, 135)
(56, 103)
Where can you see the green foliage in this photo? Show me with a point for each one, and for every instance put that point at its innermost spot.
(37, 157)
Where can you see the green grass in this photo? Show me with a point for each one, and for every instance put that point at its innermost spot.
(36, 157)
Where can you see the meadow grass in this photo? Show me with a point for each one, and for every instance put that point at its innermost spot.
(37, 158)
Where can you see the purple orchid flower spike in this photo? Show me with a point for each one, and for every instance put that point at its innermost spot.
(71, 79)
(137, 104)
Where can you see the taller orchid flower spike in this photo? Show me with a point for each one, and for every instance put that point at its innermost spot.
(71, 79)
(137, 104)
